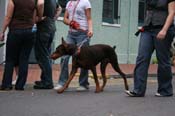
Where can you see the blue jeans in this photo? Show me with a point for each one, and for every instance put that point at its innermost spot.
(18, 47)
(42, 54)
(149, 43)
(73, 38)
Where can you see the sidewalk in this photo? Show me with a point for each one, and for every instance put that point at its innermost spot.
(34, 71)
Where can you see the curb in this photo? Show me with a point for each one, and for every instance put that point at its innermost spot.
(116, 76)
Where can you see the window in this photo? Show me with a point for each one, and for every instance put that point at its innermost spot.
(111, 12)
(142, 7)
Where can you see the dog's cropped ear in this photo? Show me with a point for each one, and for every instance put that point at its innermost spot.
(64, 42)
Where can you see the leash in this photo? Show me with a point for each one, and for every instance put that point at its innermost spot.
(79, 45)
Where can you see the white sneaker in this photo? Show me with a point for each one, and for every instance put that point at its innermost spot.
(82, 88)
(14, 82)
(57, 87)
(159, 95)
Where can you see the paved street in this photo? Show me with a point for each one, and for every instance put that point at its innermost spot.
(111, 102)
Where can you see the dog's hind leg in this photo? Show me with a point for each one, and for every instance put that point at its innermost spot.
(96, 80)
(103, 72)
(72, 74)
(115, 65)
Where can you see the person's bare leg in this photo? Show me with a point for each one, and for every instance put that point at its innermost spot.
(16, 72)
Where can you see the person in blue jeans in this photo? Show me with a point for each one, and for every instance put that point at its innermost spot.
(78, 17)
(44, 37)
(157, 34)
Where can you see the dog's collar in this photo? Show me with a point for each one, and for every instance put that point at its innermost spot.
(78, 48)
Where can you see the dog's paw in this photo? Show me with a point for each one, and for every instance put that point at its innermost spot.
(60, 91)
(98, 91)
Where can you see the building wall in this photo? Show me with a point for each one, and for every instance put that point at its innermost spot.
(2, 14)
(121, 35)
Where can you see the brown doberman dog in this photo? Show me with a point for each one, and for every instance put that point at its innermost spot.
(88, 58)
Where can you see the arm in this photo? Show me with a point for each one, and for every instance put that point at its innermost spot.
(169, 20)
(58, 12)
(89, 20)
(7, 19)
(39, 11)
(66, 18)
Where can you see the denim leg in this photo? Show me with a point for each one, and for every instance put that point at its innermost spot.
(24, 53)
(12, 47)
(19, 45)
(164, 65)
(7, 76)
(64, 73)
(142, 62)
(42, 53)
(83, 79)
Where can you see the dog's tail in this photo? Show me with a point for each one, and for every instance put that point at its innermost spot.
(114, 47)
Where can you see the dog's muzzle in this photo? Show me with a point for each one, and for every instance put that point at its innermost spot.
(54, 56)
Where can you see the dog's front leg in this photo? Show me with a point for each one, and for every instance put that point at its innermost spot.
(72, 74)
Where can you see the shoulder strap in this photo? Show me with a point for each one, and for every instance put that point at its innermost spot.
(75, 9)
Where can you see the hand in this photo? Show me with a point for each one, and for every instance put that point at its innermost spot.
(1, 36)
(37, 19)
(161, 35)
(90, 34)
(43, 18)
